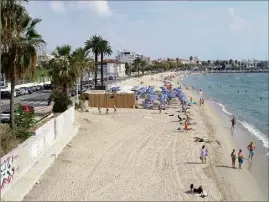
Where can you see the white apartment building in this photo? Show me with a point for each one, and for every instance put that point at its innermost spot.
(41, 59)
(129, 57)
(113, 68)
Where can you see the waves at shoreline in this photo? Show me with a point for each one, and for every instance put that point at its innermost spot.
(250, 128)
(248, 125)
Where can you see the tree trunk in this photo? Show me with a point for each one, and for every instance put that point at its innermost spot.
(102, 70)
(12, 98)
(81, 83)
(96, 65)
(65, 89)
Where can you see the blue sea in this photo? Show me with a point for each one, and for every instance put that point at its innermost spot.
(244, 95)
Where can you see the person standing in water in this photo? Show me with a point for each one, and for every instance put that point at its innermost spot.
(233, 122)
(233, 156)
(240, 158)
(251, 147)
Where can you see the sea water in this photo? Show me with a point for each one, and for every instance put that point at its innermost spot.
(244, 95)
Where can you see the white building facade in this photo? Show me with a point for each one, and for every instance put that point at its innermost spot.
(129, 57)
(43, 59)
(113, 68)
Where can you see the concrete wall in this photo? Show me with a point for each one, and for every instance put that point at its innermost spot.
(19, 161)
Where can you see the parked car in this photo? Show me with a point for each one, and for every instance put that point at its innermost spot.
(47, 87)
(18, 92)
(5, 95)
(5, 115)
(23, 91)
(110, 78)
(39, 87)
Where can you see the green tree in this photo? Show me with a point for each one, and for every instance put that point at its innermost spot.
(143, 65)
(62, 70)
(93, 44)
(105, 49)
(127, 69)
(208, 62)
(80, 60)
(137, 65)
(20, 42)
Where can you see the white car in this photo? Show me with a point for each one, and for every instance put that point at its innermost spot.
(5, 116)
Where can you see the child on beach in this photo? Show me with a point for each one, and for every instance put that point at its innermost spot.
(203, 154)
(251, 147)
(233, 156)
(240, 158)
(99, 110)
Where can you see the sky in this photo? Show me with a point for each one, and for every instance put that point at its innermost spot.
(159, 29)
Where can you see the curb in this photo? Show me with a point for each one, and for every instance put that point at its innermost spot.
(27, 182)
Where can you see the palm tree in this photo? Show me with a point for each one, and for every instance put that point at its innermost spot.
(137, 64)
(62, 68)
(143, 65)
(105, 49)
(127, 69)
(21, 41)
(93, 44)
(80, 60)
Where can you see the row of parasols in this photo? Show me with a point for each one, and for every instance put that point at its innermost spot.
(163, 97)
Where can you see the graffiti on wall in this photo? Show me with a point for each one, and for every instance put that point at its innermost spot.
(7, 171)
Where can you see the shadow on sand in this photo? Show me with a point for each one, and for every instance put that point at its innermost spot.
(221, 166)
(192, 163)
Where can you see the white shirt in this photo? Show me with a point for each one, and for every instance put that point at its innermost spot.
(201, 94)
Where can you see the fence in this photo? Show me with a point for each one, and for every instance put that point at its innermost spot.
(19, 161)
(110, 99)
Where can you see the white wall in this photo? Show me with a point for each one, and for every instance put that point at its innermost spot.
(20, 160)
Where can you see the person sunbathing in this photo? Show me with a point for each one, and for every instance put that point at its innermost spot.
(198, 190)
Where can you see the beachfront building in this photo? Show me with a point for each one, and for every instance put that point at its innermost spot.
(43, 59)
(113, 67)
(129, 57)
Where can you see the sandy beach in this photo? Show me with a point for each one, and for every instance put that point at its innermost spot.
(137, 154)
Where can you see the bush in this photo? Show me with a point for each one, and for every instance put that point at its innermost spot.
(83, 97)
(61, 102)
(80, 106)
(24, 120)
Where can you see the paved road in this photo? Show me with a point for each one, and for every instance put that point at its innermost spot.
(38, 100)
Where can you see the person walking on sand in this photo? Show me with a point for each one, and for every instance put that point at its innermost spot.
(203, 154)
(251, 147)
(99, 110)
(115, 109)
(233, 123)
(233, 156)
(240, 158)
(107, 110)
(160, 109)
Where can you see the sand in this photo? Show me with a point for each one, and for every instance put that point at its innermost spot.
(138, 154)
